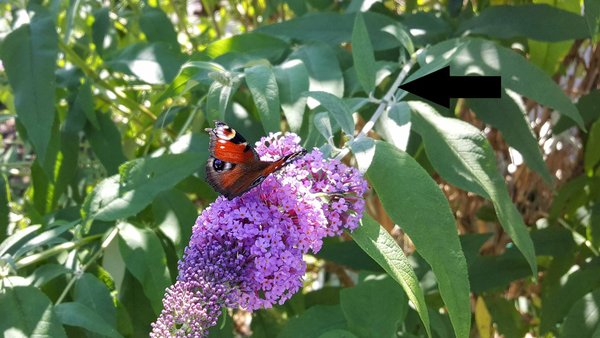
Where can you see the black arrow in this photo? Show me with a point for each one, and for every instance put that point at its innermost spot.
(439, 87)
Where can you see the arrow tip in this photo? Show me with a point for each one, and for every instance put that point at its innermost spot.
(432, 87)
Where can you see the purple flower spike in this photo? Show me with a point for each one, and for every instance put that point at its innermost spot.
(247, 252)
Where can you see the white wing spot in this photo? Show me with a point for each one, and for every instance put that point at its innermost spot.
(222, 147)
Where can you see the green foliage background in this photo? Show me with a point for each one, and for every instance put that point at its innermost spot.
(101, 170)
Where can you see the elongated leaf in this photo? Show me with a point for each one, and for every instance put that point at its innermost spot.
(254, 44)
(263, 86)
(482, 57)
(292, 81)
(374, 308)
(382, 247)
(14, 242)
(77, 314)
(324, 71)
(46, 273)
(414, 201)
(314, 322)
(157, 26)
(583, 319)
(588, 108)
(592, 148)
(29, 59)
(334, 29)
(539, 22)
(362, 54)
(4, 198)
(514, 125)
(592, 17)
(94, 294)
(106, 142)
(145, 259)
(463, 156)
(140, 181)
(100, 29)
(23, 310)
(338, 110)
(394, 125)
(219, 98)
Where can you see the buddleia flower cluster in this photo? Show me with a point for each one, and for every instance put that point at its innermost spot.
(247, 252)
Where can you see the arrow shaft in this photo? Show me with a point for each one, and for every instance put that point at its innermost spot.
(475, 87)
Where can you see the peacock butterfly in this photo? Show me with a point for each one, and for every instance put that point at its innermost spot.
(233, 166)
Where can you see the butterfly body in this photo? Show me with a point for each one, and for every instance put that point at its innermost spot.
(233, 166)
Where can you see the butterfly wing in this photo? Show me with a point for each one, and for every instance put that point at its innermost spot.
(233, 166)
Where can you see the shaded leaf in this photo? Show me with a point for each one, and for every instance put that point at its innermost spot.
(394, 125)
(92, 293)
(157, 27)
(174, 214)
(106, 142)
(363, 149)
(145, 259)
(77, 314)
(591, 155)
(382, 247)
(254, 44)
(583, 320)
(29, 58)
(27, 312)
(374, 308)
(292, 81)
(315, 321)
(263, 87)
(338, 110)
(362, 54)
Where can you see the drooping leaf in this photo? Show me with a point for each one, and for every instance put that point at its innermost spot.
(145, 260)
(29, 58)
(4, 198)
(140, 180)
(363, 149)
(535, 21)
(92, 293)
(254, 44)
(592, 17)
(414, 201)
(482, 57)
(583, 319)
(394, 125)
(462, 155)
(362, 54)
(591, 155)
(106, 142)
(292, 81)
(588, 108)
(174, 214)
(374, 308)
(263, 86)
(515, 128)
(24, 309)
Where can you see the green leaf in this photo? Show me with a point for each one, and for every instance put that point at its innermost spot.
(462, 155)
(254, 44)
(338, 333)
(139, 182)
(146, 260)
(154, 63)
(136, 306)
(335, 29)
(382, 247)
(219, 98)
(591, 155)
(415, 201)
(4, 198)
(482, 57)
(508, 115)
(363, 149)
(46, 273)
(394, 125)
(588, 108)
(77, 314)
(558, 300)
(292, 81)
(100, 29)
(337, 108)
(314, 322)
(14, 241)
(592, 17)
(508, 320)
(538, 22)
(105, 141)
(83, 106)
(27, 312)
(324, 72)
(374, 308)
(92, 293)
(263, 86)
(583, 319)
(362, 54)
(323, 124)
(157, 26)
(29, 58)
(547, 55)
(174, 214)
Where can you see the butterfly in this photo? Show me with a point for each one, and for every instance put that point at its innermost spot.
(233, 166)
